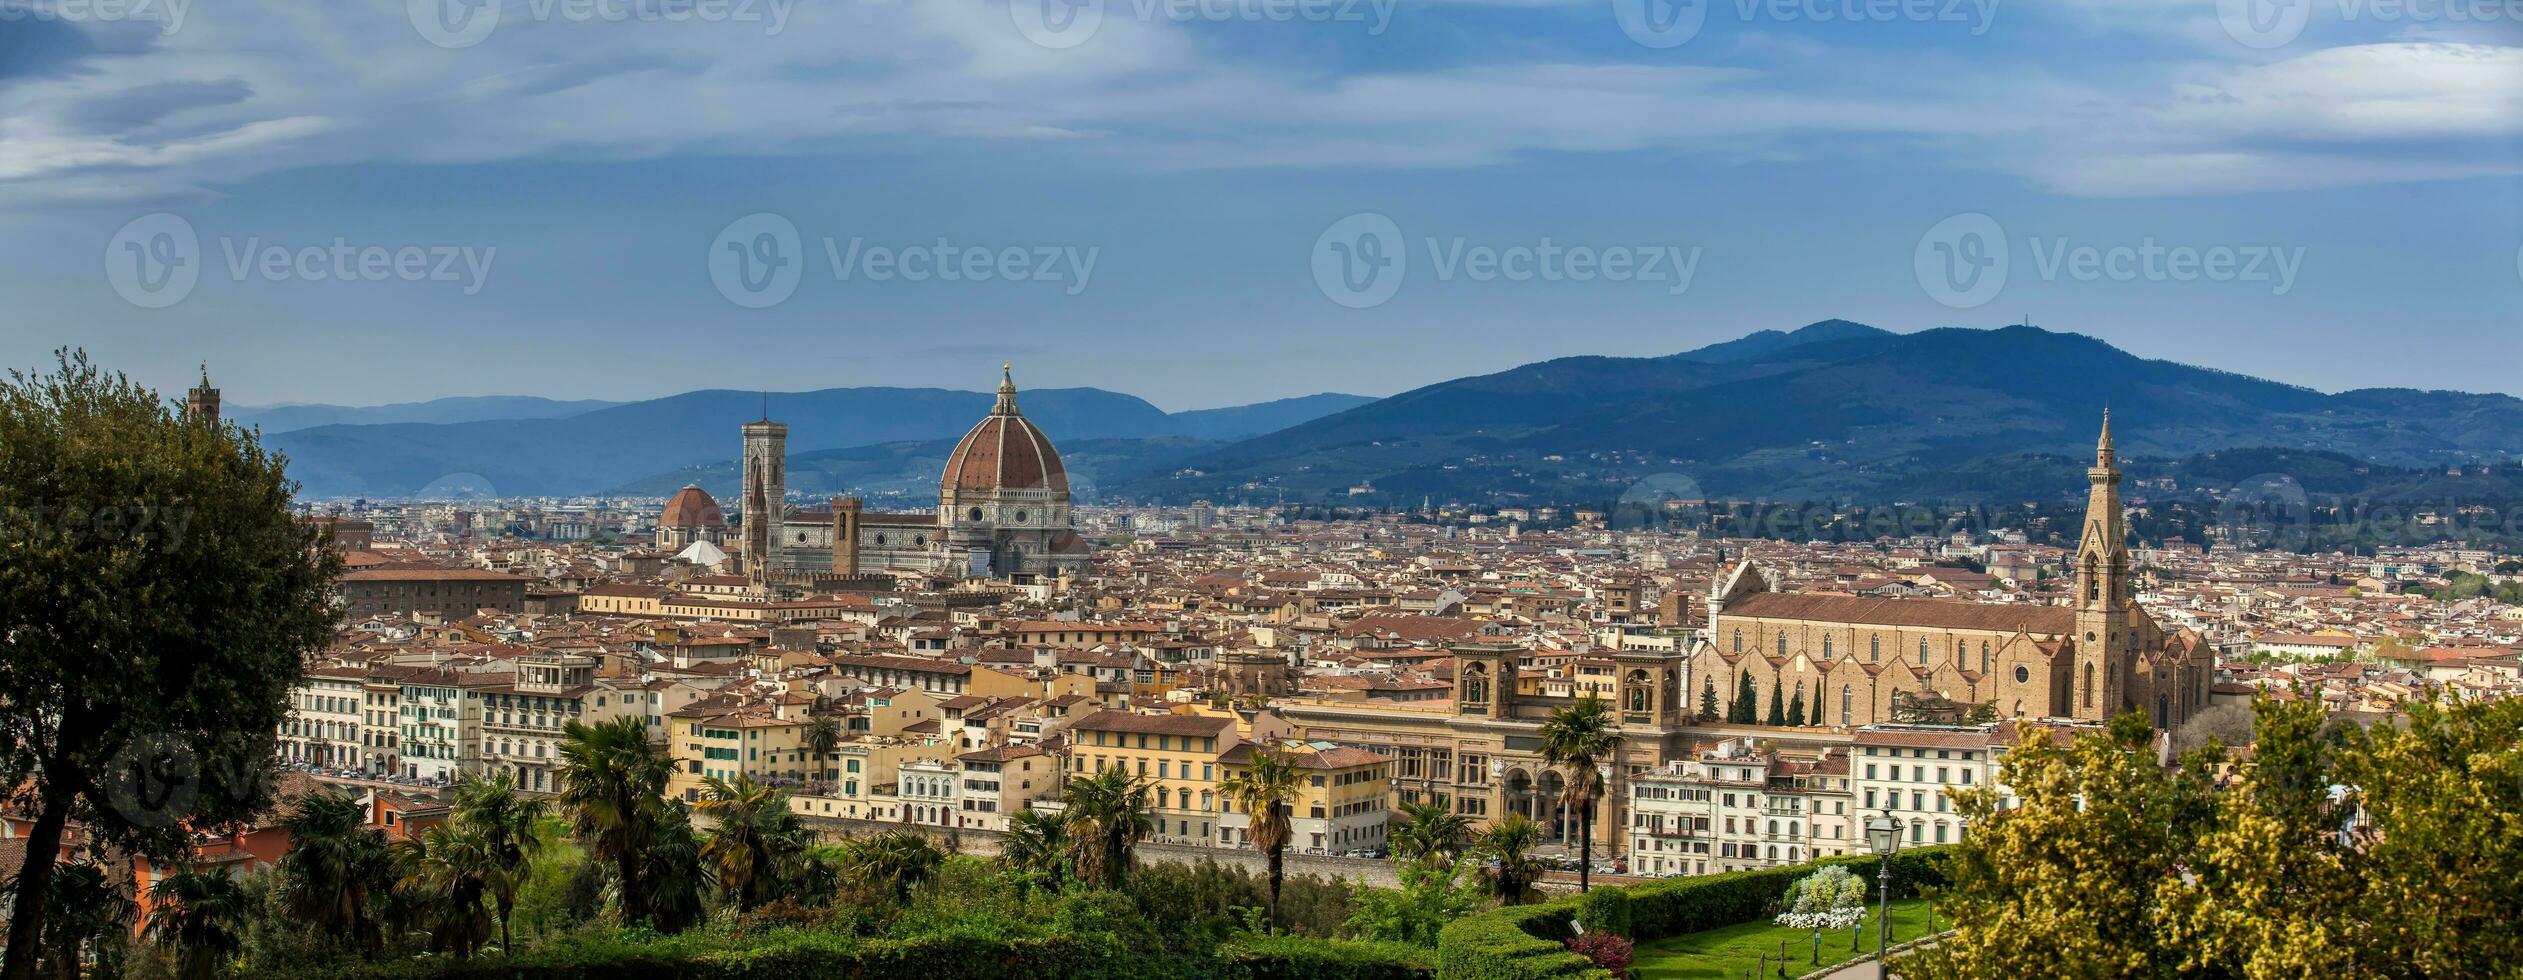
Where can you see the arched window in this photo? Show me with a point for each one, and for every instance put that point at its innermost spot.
(1984, 656)
(1638, 693)
(1874, 648)
(1848, 704)
(1922, 651)
(1738, 640)
(1782, 644)
(2089, 685)
(1826, 646)
(1958, 648)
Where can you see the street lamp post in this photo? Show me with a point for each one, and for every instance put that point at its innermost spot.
(1883, 833)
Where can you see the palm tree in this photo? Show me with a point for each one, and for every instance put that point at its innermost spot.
(1108, 816)
(199, 913)
(669, 868)
(335, 865)
(755, 845)
(1430, 834)
(86, 908)
(1263, 791)
(893, 862)
(446, 873)
(823, 737)
(613, 782)
(1510, 843)
(1579, 738)
(1036, 846)
(507, 823)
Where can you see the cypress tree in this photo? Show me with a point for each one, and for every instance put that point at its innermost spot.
(1708, 699)
(1778, 703)
(1796, 707)
(1747, 702)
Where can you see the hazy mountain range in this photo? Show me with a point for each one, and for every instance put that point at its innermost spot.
(1835, 408)
(1832, 409)
(285, 418)
(608, 447)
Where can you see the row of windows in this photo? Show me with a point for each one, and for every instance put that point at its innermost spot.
(1874, 649)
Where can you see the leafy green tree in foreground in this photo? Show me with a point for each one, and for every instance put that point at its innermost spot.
(2337, 851)
(1431, 896)
(158, 599)
(1580, 738)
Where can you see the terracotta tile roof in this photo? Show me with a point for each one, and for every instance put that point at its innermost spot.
(1922, 613)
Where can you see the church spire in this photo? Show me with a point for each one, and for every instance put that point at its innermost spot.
(1007, 391)
(2104, 455)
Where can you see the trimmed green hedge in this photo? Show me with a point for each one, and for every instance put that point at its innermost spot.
(806, 953)
(1527, 942)
(1302, 958)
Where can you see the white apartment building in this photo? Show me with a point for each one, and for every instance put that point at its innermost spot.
(1735, 809)
(931, 791)
(324, 724)
(439, 727)
(1906, 771)
(521, 715)
(1001, 781)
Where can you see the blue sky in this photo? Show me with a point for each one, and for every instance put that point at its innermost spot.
(2344, 182)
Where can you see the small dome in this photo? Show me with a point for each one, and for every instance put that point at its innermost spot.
(1004, 452)
(692, 507)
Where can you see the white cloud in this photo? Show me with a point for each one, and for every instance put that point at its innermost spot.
(247, 90)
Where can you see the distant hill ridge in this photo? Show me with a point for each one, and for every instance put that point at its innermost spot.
(601, 449)
(1835, 407)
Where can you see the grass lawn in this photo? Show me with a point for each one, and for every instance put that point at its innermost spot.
(1735, 951)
